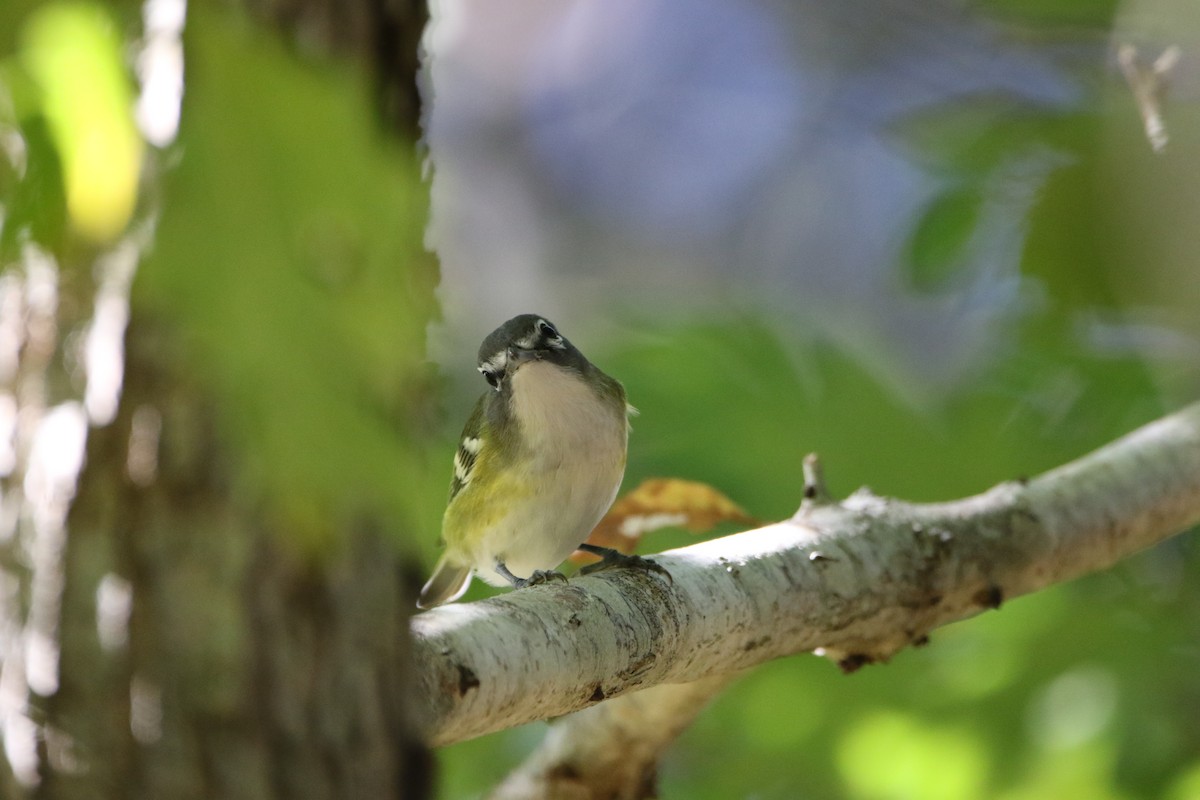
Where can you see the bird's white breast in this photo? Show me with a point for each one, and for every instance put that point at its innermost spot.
(573, 457)
(559, 413)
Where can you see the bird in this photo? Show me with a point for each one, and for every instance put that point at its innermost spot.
(539, 462)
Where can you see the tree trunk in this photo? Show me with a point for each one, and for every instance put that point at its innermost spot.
(174, 637)
(248, 669)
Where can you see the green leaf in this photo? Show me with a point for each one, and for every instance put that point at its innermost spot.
(939, 243)
(34, 202)
(74, 54)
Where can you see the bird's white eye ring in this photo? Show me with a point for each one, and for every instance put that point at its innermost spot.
(493, 378)
(547, 330)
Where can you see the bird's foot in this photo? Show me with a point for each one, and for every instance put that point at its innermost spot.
(539, 576)
(610, 558)
(542, 576)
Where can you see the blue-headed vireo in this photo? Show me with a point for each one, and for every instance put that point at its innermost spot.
(538, 464)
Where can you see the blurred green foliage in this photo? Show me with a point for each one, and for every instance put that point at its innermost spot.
(288, 254)
(286, 247)
(981, 711)
(1089, 13)
(89, 119)
(290, 257)
(72, 180)
(1082, 691)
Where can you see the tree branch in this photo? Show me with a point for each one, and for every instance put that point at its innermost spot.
(856, 580)
(612, 749)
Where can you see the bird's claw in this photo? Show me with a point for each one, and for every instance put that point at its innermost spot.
(614, 558)
(541, 576)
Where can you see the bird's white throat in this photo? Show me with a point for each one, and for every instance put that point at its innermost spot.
(563, 418)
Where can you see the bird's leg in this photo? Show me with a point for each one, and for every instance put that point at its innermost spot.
(538, 576)
(615, 558)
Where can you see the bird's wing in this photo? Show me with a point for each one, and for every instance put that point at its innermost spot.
(469, 445)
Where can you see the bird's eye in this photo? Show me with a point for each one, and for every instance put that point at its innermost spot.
(547, 330)
(493, 378)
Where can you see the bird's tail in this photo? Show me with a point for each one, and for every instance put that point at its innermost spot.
(448, 583)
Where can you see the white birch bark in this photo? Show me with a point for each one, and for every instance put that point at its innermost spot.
(856, 580)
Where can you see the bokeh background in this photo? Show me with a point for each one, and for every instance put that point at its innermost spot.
(929, 240)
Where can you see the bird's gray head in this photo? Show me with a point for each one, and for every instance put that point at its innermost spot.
(529, 337)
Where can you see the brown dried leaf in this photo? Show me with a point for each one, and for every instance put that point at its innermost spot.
(663, 503)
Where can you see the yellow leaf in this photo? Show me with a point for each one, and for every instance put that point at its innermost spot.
(75, 55)
(664, 503)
